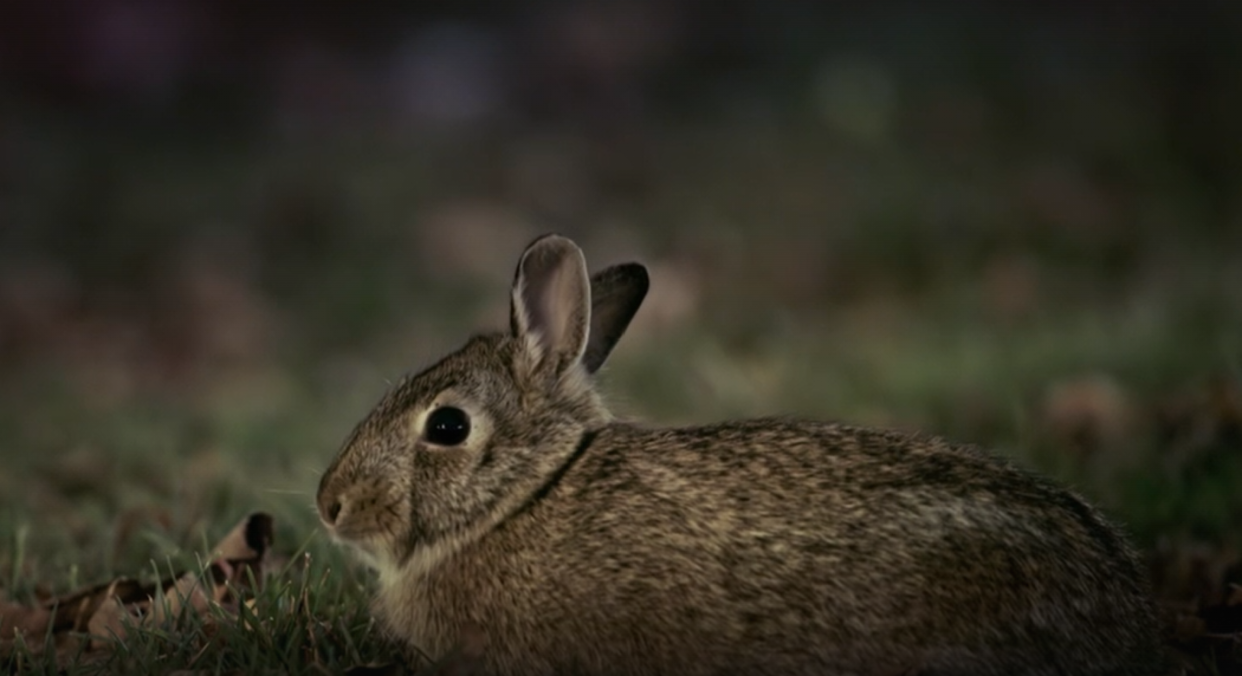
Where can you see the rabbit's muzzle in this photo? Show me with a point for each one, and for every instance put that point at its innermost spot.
(361, 511)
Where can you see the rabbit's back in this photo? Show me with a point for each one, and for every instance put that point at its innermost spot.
(779, 546)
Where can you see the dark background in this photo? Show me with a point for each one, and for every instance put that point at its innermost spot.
(225, 226)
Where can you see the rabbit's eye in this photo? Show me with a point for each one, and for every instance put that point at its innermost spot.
(447, 426)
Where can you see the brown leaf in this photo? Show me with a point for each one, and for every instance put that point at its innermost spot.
(18, 619)
(105, 611)
(186, 592)
(75, 610)
(249, 540)
(242, 555)
(108, 623)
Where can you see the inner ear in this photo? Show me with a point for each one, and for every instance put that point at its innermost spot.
(551, 307)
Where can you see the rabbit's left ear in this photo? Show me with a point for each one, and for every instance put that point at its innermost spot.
(616, 294)
(551, 304)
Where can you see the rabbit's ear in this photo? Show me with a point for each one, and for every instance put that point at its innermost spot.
(551, 307)
(616, 294)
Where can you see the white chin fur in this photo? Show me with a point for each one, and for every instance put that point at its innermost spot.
(371, 552)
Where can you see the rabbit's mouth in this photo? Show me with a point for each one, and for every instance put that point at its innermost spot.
(367, 524)
(354, 536)
(372, 546)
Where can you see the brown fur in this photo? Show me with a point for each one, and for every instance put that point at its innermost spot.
(578, 544)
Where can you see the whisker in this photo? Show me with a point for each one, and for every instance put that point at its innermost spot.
(311, 470)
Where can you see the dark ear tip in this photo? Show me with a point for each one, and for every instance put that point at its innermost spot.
(637, 275)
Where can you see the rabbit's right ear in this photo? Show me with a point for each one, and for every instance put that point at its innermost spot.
(551, 303)
(616, 294)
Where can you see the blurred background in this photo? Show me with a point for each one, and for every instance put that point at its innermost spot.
(226, 227)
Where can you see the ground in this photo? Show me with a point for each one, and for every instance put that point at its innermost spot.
(191, 325)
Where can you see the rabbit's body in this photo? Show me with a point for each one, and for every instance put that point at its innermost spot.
(580, 545)
(782, 547)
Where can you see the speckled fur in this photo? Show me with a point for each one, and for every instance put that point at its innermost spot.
(582, 545)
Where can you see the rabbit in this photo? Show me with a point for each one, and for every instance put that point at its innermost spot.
(498, 498)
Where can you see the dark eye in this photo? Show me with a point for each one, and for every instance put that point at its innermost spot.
(447, 426)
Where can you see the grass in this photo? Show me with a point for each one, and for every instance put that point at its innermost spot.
(207, 463)
(883, 290)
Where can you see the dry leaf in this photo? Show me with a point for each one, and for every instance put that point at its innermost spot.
(249, 540)
(242, 555)
(17, 619)
(187, 591)
(104, 611)
(108, 623)
(74, 611)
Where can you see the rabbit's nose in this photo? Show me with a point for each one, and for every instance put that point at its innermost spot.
(330, 504)
(333, 511)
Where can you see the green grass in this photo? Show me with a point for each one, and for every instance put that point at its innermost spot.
(310, 619)
(854, 306)
(207, 464)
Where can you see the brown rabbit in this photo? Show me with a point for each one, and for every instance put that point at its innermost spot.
(498, 499)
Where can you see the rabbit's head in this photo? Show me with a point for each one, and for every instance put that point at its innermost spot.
(453, 450)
